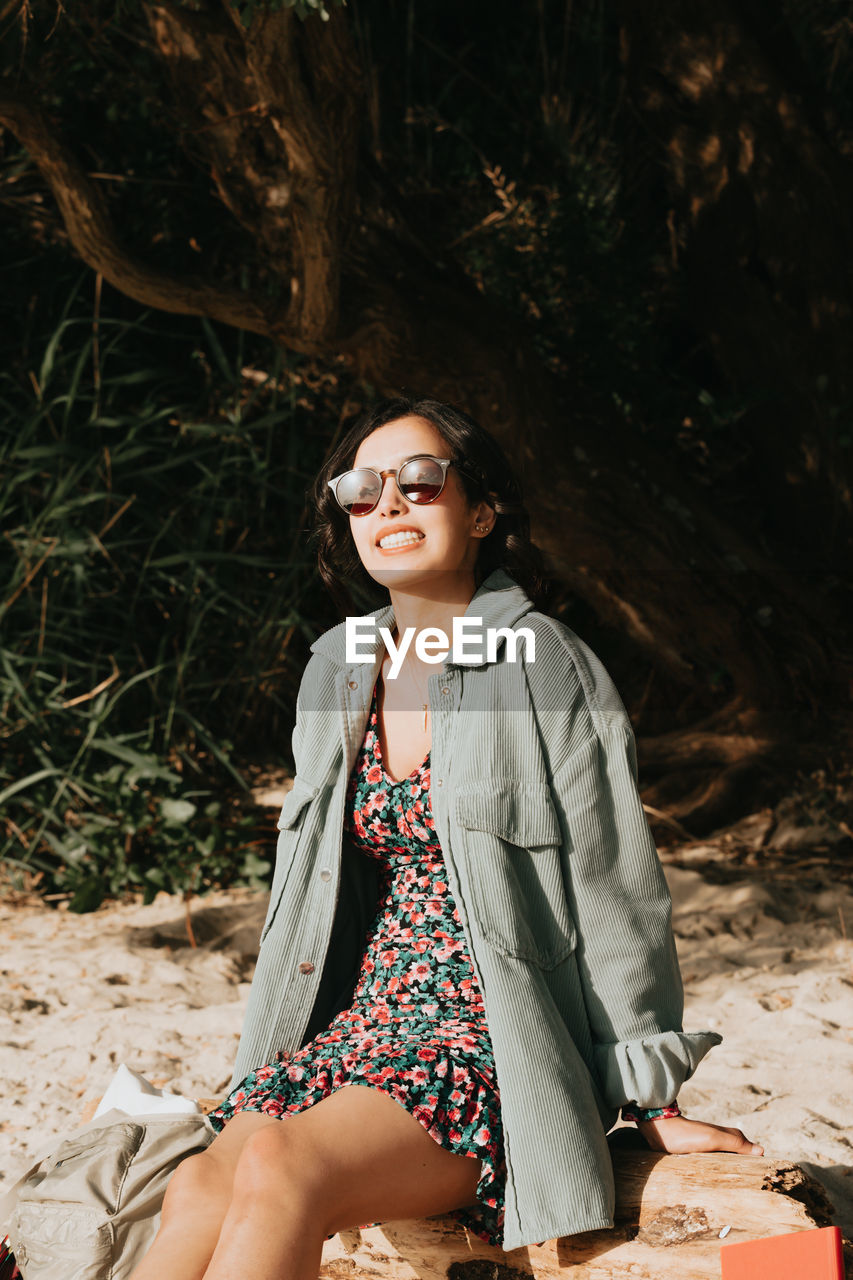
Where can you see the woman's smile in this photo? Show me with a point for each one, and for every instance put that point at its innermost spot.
(400, 539)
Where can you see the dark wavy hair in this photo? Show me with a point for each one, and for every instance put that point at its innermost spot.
(485, 473)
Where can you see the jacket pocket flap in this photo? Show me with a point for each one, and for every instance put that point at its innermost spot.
(521, 812)
(300, 794)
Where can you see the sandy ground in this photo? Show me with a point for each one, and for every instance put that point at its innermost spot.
(767, 960)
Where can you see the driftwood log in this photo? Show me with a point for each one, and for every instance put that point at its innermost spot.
(670, 1213)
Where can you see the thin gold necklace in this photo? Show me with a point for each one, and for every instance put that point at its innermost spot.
(423, 695)
(422, 692)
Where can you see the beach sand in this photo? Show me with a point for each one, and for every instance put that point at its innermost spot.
(766, 954)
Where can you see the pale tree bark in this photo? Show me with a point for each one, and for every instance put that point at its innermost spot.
(670, 1213)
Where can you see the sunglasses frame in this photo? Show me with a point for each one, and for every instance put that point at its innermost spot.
(444, 463)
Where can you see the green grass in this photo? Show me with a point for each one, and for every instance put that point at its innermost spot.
(154, 599)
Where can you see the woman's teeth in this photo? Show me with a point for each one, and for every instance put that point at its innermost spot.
(399, 539)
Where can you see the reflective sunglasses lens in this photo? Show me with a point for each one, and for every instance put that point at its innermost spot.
(358, 491)
(421, 480)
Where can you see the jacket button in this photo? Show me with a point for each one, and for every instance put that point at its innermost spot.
(353, 684)
(325, 874)
(439, 782)
(306, 967)
(445, 690)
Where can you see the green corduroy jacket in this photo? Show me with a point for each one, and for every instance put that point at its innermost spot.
(557, 880)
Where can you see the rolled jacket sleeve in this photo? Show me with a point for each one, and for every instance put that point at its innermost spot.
(622, 908)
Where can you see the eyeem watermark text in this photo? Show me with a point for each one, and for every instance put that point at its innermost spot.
(432, 644)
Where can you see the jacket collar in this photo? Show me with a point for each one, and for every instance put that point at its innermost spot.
(499, 601)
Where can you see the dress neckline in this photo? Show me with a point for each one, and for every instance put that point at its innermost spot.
(396, 782)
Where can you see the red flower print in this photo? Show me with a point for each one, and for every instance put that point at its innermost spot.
(374, 774)
(419, 971)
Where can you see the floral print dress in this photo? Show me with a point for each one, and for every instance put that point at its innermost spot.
(416, 1028)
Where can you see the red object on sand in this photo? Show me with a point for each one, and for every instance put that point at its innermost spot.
(8, 1267)
(802, 1255)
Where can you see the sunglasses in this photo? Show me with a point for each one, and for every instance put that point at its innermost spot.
(420, 480)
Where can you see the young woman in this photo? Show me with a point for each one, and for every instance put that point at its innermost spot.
(467, 964)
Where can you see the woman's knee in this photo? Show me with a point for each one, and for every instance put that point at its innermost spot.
(198, 1184)
(276, 1163)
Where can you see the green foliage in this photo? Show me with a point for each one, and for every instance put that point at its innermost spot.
(155, 580)
(138, 826)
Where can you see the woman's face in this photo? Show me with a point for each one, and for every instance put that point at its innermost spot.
(448, 542)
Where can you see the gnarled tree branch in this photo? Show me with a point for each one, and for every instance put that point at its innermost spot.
(274, 110)
(94, 236)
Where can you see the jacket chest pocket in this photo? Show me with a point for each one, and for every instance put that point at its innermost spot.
(290, 825)
(515, 874)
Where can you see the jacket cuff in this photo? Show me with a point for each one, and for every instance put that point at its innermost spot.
(651, 1071)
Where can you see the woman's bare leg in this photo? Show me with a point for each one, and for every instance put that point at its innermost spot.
(357, 1156)
(197, 1199)
(262, 1203)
